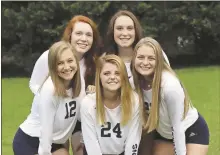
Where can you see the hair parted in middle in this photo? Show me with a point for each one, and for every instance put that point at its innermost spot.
(125, 92)
(161, 65)
(90, 55)
(55, 52)
(110, 45)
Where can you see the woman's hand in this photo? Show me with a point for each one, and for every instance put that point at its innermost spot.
(90, 89)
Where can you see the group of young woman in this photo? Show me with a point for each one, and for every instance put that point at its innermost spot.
(108, 101)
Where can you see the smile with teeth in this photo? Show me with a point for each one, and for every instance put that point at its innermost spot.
(145, 68)
(82, 45)
(124, 39)
(67, 72)
(112, 82)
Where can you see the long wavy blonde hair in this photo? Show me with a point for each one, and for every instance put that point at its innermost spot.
(125, 92)
(54, 53)
(151, 122)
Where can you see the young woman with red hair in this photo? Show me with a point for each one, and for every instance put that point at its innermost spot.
(82, 33)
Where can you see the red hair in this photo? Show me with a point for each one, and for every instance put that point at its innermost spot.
(93, 52)
(70, 26)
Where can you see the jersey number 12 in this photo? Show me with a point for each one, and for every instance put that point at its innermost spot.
(70, 107)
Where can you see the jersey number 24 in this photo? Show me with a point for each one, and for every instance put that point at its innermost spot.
(116, 130)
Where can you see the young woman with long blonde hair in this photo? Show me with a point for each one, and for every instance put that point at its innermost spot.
(179, 128)
(55, 107)
(111, 117)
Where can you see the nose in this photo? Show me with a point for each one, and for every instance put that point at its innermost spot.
(83, 37)
(125, 32)
(146, 61)
(112, 76)
(66, 66)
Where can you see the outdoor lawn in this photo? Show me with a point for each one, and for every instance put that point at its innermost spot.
(203, 85)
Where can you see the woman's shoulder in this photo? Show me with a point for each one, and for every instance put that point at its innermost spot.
(169, 80)
(44, 55)
(89, 101)
(48, 86)
(170, 84)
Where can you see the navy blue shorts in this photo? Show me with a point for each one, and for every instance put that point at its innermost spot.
(24, 144)
(77, 127)
(198, 133)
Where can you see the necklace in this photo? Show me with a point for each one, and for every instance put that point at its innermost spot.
(149, 86)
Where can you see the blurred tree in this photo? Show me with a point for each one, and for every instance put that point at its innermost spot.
(185, 29)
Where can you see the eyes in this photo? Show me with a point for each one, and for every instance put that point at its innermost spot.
(120, 28)
(80, 33)
(142, 57)
(62, 62)
(108, 73)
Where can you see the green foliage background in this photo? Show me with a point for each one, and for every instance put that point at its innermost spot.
(188, 31)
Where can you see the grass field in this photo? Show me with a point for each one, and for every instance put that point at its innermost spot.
(203, 85)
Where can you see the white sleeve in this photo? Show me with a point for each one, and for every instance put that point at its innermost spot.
(174, 99)
(88, 129)
(40, 72)
(166, 58)
(135, 131)
(47, 111)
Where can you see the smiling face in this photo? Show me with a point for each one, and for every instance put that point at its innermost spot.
(110, 77)
(145, 61)
(66, 66)
(124, 31)
(82, 37)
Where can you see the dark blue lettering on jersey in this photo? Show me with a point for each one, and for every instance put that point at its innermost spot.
(104, 130)
(134, 149)
(174, 142)
(107, 127)
(70, 109)
(147, 107)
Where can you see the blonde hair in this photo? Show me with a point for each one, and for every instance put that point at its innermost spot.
(54, 53)
(125, 92)
(151, 122)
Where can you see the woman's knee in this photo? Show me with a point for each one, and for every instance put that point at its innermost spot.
(200, 149)
(61, 151)
(75, 141)
(67, 144)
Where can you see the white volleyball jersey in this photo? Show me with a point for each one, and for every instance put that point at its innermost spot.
(41, 71)
(112, 138)
(171, 125)
(52, 118)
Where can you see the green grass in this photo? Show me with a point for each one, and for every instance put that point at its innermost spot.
(203, 85)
